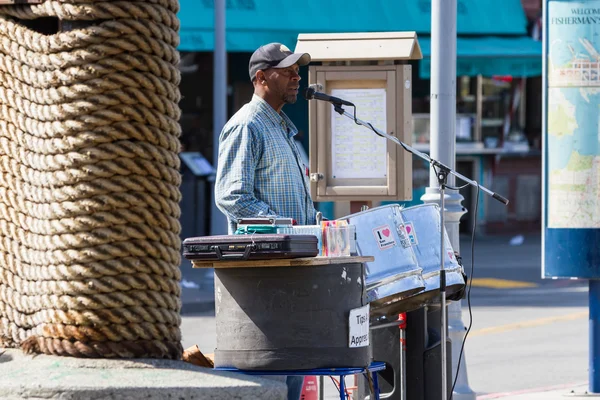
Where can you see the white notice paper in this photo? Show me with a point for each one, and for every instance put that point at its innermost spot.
(359, 327)
(357, 151)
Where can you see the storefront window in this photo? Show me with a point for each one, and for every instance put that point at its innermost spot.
(489, 111)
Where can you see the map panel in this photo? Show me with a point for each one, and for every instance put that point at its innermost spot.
(573, 128)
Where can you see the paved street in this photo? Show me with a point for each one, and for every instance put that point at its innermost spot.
(527, 334)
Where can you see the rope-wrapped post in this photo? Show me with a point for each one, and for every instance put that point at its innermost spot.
(89, 189)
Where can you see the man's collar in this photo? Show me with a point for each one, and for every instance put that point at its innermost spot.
(278, 118)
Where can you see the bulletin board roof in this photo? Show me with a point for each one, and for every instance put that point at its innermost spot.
(366, 46)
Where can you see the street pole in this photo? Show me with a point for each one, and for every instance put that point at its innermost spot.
(442, 147)
(594, 332)
(570, 245)
(218, 220)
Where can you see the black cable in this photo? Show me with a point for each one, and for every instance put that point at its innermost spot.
(368, 124)
(472, 254)
(462, 347)
(458, 188)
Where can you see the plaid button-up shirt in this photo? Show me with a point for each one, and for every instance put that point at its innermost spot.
(260, 170)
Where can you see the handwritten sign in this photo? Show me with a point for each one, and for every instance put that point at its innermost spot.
(359, 327)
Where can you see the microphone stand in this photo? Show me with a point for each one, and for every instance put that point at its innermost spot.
(442, 172)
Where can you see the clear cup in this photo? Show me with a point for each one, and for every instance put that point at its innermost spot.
(338, 241)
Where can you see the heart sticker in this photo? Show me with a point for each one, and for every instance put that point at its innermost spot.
(412, 234)
(384, 238)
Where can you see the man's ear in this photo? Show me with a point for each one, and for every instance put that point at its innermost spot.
(261, 78)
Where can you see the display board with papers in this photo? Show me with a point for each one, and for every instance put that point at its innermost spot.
(350, 161)
(357, 152)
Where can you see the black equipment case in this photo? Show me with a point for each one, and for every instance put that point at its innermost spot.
(250, 247)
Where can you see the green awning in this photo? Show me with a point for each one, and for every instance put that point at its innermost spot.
(515, 56)
(251, 23)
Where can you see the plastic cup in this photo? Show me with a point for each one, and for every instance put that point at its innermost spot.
(338, 241)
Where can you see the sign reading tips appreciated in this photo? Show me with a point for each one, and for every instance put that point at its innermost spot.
(359, 327)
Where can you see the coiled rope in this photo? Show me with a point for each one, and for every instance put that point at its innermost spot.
(89, 183)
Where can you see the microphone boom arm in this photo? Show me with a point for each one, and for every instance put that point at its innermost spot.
(436, 164)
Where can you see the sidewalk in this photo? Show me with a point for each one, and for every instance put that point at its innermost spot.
(43, 376)
(558, 392)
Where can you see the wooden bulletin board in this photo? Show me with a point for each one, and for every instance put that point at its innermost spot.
(349, 161)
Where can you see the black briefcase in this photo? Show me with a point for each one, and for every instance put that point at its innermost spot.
(250, 247)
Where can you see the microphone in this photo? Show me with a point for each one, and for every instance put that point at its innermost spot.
(311, 93)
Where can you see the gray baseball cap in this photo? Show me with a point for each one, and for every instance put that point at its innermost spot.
(275, 55)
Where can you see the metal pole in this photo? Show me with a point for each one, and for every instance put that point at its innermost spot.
(442, 147)
(443, 324)
(218, 220)
(402, 383)
(321, 387)
(220, 74)
(594, 327)
(443, 86)
(443, 117)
